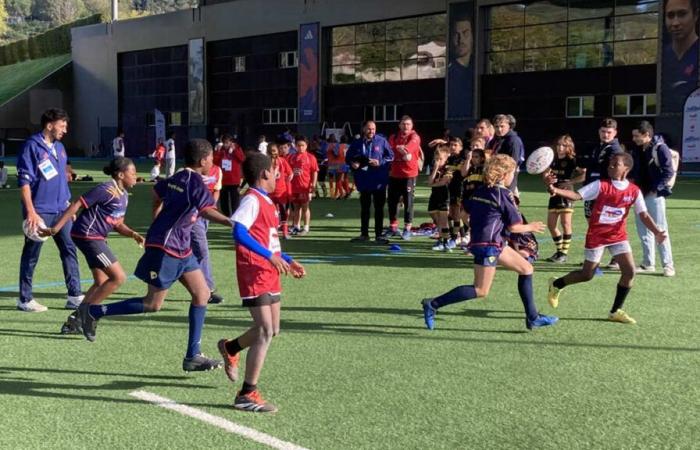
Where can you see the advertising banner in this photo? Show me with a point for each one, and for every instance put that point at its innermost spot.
(308, 73)
(195, 81)
(691, 128)
(160, 127)
(460, 68)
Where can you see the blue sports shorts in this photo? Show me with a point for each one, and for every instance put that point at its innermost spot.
(161, 270)
(486, 255)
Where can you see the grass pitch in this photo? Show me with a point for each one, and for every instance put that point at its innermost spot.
(354, 366)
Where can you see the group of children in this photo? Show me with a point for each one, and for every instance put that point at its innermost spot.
(168, 257)
(501, 235)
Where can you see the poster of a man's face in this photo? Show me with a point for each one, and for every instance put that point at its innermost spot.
(460, 71)
(680, 59)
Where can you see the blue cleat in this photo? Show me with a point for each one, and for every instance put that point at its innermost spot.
(428, 313)
(541, 321)
(598, 272)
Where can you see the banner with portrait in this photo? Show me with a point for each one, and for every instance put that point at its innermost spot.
(308, 73)
(680, 56)
(159, 122)
(460, 68)
(195, 81)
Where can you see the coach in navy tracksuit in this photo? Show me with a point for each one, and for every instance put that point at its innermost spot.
(41, 174)
(369, 158)
(507, 142)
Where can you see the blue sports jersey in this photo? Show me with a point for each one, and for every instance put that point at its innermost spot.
(491, 209)
(184, 196)
(105, 207)
(679, 77)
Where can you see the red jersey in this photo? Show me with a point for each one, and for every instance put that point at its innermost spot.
(282, 172)
(303, 166)
(256, 275)
(231, 161)
(213, 180)
(334, 160)
(159, 153)
(613, 200)
(399, 167)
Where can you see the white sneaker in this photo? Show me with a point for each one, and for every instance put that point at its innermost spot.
(439, 247)
(645, 269)
(73, 302)
(31, 306)
(669, 271)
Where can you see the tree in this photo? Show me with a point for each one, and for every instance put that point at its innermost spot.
(3, 18)
(58, 12)
(19, 8)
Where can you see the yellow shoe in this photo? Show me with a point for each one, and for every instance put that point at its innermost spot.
(553, 294)
(621, 316)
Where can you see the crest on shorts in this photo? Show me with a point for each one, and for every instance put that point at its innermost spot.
(492, 259)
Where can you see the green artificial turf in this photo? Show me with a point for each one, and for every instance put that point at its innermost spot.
(18, 77)
(354, 366)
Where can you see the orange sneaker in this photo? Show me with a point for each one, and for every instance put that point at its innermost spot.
(230, 362)
(253, 402)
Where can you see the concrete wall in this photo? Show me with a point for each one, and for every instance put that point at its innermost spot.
(95, 47)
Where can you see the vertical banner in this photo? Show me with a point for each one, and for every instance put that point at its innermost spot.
(680, 56)
(691, 129)
(308, 73)
(160, 127)
(195, 81)
(460, 68)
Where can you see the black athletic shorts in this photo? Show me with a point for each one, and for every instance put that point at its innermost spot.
(438, 200)
(262, 300)
(560, 204)
(96, 251)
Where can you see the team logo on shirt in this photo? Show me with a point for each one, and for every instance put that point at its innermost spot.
(627, 198)
(154, 275)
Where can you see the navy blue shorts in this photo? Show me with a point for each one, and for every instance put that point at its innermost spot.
(161, 270)
(96, 251)
(486, 255)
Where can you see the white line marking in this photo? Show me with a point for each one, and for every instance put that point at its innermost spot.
(217, 421)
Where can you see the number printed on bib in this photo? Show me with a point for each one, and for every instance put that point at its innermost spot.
(226, 165)
(274, 245)
(611, 214)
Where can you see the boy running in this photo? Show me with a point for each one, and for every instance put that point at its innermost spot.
(493, 209)
(177, 202)
(259, 264)
(607, 229)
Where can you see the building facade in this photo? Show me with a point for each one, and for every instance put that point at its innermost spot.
(250, 67)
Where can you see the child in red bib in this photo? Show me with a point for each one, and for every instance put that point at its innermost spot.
(607, 229)
(259, 264)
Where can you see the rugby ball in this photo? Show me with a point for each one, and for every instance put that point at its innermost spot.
(539, 160)
(32, 234)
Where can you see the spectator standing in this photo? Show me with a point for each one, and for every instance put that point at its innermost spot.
(654, 173)
(402, 175)
(118, 150)
(230, 158)
(262, 144)
(170, 156)
(507, 142)
(369, 159)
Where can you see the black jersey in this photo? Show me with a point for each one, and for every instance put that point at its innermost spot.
(564, 170)
(473, 181)
(454, 164)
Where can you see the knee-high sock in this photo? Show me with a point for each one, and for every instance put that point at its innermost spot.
(525, 291)
(456, 295)
(565, 244)
(128, 306)
(558, 241)
(196, 319)
(620, 297)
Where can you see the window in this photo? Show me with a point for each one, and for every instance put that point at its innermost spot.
(573, 34)
(288, 60)
(273, 116)
(239, 63)
(634, 105)
(382, 113)
(394, 50)
(580, 106)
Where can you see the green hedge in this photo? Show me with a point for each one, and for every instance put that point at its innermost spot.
(56, 41)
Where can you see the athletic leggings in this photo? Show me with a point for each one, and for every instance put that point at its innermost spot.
(229, 199)
(401, 187)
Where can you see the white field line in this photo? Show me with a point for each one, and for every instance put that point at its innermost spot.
(217, 421)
